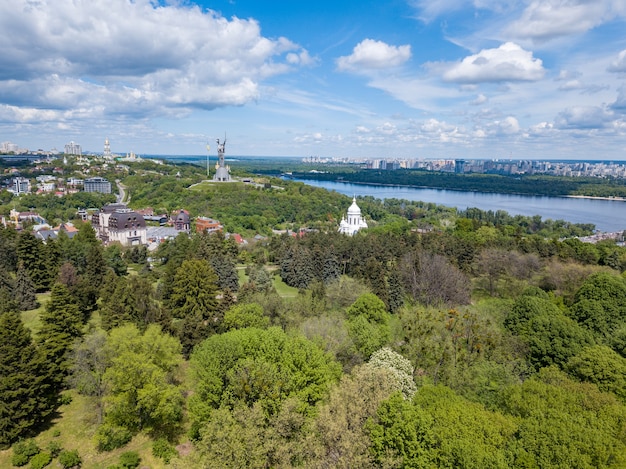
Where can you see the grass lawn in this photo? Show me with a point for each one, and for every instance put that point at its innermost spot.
(281, 287)
(74, 427)
(31, 318)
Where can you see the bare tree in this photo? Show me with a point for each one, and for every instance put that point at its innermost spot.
(432, 280)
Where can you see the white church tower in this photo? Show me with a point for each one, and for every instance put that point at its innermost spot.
(354, 222)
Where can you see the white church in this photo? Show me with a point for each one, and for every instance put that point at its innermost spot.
(354, 222)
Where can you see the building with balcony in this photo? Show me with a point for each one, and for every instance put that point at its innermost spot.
(97, 184)
(117, 223)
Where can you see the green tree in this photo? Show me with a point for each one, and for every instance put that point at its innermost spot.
(90, 359)
(600, 303)
(245, 315)
(24, 290)
(368, 324)
(115, 260)
(439, 429)
(250, 365)
(61, 324)
(193, 301)
(565, 424)
(194, 291)
(132, 301)
(142, 393)
(340, 435)
(601, 366)
(8, 248)
(25, 395)
(551, 337)
(31, 253)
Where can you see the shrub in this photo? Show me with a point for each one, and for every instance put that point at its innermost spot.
(130, 460)
(161, 448)
(41, 460)
(54, 448)
(23, 451)
(56, 433)
(69, 459)
(19, 460)
(65, 399)
(108, 437)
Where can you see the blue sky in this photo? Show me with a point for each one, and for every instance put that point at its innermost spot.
(527, 79)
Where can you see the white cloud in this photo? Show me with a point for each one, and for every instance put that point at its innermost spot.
(583, 117)
(507, 126)
(480, 99)
(428, 10)
(374, 55)
(619, 64)
(133, 56)
(547, 19)
(509, 62)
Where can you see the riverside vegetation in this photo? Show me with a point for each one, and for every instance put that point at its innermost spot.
(436, 338)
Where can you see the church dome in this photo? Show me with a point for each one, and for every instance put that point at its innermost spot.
(182, 217)
(354, 208)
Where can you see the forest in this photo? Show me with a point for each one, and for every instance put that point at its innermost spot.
(528, 184)
(435, 338)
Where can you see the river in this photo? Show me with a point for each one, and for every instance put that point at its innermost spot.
(606, 215)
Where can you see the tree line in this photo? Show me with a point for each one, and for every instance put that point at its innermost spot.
(484, 341)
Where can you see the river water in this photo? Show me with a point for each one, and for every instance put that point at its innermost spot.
(606, 215)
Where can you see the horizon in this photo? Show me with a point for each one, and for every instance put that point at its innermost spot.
(412, 78)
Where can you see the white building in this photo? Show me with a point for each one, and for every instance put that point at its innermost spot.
(97, 184)
(354, 222)
(8, 147)
(73, 149)
(20, 186)
(117, 223)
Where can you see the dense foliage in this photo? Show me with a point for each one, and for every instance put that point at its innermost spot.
(433, 339)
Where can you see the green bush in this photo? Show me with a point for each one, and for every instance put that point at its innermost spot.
(23, 451)
(19, 459)
(108, 437)
(40, 460)
(69, 459)
(130, 459)
(54, 448)
(65, 399)
(161, 448)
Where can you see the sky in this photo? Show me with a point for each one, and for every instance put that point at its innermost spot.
(492, 79)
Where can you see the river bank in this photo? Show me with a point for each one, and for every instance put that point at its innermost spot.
(607, 215)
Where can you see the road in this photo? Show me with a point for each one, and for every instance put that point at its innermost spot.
(121, 196)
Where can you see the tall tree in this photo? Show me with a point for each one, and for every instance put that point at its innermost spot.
(24, 290)
(61, 324)
(25, 395)
(194, 291)
(131, 301)
(8, 248)
(31, 252)
(142, 393)
(90, 359)
(193, 299)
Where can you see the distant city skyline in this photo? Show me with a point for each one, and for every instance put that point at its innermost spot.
(530, 79)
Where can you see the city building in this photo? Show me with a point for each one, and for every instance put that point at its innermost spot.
(97, 184)
(182, 221)
(209, 225)
(354, 222)
(8, 147)
(20, 186)
(106, 154)
(117, 223)
(73, 149)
